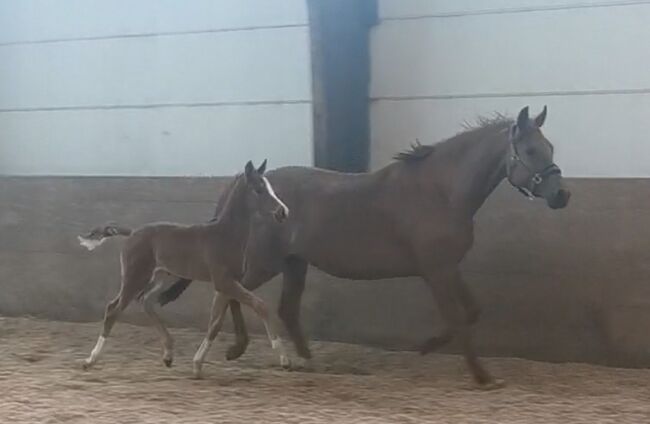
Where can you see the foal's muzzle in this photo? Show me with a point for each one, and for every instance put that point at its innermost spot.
(560, 200)
(281, 214)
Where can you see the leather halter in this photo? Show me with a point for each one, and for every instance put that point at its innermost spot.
(535, 178)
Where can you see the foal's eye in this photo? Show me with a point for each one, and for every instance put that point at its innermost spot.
(259, 190)
(531, 151)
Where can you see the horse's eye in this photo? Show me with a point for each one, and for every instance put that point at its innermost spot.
(531, 151)
(259, 190)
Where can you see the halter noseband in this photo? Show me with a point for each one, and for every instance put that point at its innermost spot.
(535, 179)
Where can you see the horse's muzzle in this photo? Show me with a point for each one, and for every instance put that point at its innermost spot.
(560, 200)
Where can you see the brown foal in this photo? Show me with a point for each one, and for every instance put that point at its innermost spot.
(205, 252)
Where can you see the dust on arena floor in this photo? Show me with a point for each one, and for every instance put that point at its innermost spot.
(41, 381)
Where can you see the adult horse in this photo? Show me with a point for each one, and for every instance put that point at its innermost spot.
(414, 217)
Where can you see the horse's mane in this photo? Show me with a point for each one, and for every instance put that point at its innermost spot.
(471, 131)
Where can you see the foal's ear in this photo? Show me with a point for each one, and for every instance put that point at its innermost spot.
(523, 121)
(539, 119)
(249, 170)
(262, 168)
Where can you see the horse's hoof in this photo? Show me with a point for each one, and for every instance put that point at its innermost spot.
(85, 365)
(168, 362)
(494, 384)
(434, 343)
(235, 351)
(304, 365)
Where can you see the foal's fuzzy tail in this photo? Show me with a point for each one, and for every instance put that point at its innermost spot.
(98, 235)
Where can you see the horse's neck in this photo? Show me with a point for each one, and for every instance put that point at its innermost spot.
(477, 173)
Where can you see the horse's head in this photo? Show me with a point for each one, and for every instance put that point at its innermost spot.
(262, 198)
(530, 165)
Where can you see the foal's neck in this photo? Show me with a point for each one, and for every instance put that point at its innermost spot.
(234, 218)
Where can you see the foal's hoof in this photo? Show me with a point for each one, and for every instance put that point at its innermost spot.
(168, 362)
(85, 365)
(285, 362)
(235, 351)
(196, 372)
(494, 384)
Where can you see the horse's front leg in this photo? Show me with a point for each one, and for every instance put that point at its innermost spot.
(471, 312)
(442, 284)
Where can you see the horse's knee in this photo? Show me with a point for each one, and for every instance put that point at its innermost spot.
(473, 314)
(283, 311)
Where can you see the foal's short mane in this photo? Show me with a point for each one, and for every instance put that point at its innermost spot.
(483, 127)
(225, 197)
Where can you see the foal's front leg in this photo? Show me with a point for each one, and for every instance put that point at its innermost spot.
(217, 314)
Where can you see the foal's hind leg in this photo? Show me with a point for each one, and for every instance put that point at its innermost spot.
(133, 282)
(113, 310)
(149, 307)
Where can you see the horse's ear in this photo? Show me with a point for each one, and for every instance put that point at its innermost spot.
(249, 170)
(539, 119)
(523, 121)
(262, 168)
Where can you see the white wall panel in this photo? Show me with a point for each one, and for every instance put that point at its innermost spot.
(263, 65)
(587, 49)
(153, 87)
(399, 9)
(37, 20)
(196, 141)
(587, 63)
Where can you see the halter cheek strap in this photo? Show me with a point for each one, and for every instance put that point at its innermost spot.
(535, 178)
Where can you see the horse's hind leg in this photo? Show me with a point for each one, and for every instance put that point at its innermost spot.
(149, 307)
(253, 281)
(289, 310)
(241, 293)
(241, 333)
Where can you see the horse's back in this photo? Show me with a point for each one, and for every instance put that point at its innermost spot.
(345, 224)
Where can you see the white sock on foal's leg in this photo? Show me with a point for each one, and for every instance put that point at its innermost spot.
(199, 357)
(277, 345)
(94, 354)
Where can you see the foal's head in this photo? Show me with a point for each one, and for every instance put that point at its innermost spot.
(260, 194)
(530, 164)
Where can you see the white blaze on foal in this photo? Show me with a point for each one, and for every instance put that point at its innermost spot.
(271, 192)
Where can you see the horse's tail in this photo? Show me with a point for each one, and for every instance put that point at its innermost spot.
(173, 291)
(98, 235)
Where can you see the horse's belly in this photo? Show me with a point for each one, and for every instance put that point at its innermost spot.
(363, 262)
